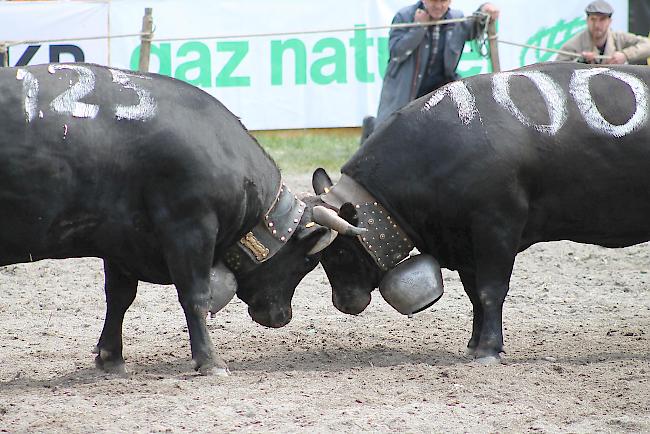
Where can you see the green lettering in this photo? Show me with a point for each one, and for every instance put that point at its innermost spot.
(239, 49)
(472, 62)
(202, 63)
(360, 43)
(277, 60)
(383, 55)
(552, 37)
(164, 54)
(338, 59)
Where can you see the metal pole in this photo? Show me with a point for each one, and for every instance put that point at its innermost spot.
(145, 40)
(494, 46)
(4, 54)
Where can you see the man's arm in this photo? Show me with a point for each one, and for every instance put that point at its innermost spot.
(635, 48)
(570, 58)
(573, 45)
(404, 40)
(474, 27)
(490, 9)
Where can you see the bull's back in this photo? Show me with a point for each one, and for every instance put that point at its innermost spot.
(580, 142)
(86, 150)
(81, 110)
(568, 144)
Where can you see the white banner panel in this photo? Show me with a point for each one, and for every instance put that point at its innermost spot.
(304, 80)
(48, 20)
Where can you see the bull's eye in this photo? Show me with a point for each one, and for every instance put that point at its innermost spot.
(310, 260)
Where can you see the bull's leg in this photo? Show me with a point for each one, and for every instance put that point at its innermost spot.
(468, 278)
(495, 247)
(204, 357)
(120, 291)
(189, 258)
(490, 343)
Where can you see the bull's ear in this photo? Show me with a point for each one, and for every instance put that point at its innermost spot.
(349, 213)
(321, 181)
(316, 238)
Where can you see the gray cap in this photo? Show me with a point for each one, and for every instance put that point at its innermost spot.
(599, 7)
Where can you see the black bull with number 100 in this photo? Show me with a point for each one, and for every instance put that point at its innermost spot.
(480, 170)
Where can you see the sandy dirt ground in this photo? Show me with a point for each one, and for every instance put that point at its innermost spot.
(577, 332)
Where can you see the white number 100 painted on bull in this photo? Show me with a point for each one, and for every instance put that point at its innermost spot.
(579, 88)
(69, 101)
(554, 98)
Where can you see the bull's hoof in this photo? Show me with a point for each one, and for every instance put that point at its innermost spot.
(104, 362)
(218, 368)
(490, 359)
(111, 367)
(214, 371)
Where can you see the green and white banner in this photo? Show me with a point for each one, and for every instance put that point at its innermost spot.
(293, 77)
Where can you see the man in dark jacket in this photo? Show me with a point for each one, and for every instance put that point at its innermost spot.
(423, 58)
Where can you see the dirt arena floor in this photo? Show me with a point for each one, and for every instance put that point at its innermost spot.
(577, 332)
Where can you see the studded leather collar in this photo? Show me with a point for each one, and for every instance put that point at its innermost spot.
(385, 241)
(269, 235)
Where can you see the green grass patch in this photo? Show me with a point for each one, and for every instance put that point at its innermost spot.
(299, 151)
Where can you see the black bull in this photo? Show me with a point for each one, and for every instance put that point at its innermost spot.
(157, 178)
(485, 167)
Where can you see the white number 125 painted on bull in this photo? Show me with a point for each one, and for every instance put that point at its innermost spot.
(70, 100)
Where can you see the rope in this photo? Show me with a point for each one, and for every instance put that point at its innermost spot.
(246, 35)
(551, 50)
(481, 40)
(86, 38)
(307, 32)
(482, 36)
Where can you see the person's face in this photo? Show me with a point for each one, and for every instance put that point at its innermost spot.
(436, 8)
(598, 25)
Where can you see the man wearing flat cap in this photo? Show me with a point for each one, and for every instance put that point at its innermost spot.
(599, 44)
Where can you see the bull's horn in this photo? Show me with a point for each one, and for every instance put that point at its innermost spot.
(330, 219)
(323, 242)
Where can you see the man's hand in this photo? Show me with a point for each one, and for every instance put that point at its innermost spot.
(589, 56)
(421, 16)
(618, 58)
(491, 10)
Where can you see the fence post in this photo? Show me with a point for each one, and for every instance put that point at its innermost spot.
(4, 54)
(145, 40)
(494, 46)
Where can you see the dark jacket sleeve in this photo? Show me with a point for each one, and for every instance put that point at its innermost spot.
(403, 41)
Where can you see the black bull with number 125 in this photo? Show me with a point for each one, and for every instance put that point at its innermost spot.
(478, 171)
(161, 181)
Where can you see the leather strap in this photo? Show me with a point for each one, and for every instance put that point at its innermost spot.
(385, 241)
(269, 235)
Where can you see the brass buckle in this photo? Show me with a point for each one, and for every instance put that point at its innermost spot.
(258, 249)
